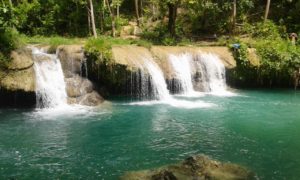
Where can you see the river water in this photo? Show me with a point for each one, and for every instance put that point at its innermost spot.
(258, 129)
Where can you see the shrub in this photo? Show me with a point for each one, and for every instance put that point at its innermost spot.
(266, 30)
(10, 40)
(98, 49)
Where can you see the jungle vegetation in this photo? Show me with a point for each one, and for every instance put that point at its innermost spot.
(265, 25)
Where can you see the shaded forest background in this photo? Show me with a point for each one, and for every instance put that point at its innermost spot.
(190, 18)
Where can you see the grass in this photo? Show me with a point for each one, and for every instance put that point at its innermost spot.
(59, 40)
(52, 41)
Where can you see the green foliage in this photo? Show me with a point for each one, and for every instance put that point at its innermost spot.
(52, 40)
(241, 54)
(278, 56)
(169, 41)
(278, 60)
(98, 49)
(266, 30)
(159, 36)
(6, 18)
(142, 43)
(10, 40)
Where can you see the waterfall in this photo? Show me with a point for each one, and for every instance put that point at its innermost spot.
(182, 69)
(212, 72)
(158, 83)
(50, 84)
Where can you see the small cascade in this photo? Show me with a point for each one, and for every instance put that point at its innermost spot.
(50, 84)
(182, 69)
(211, 71)
(141, 84)
(158, 83)
(83, 68)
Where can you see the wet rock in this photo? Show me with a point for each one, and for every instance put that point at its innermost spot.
(164, 175)
(80, 91)
(78, 86)
(91, 99)
(71, 100)
(71, 58)
(198, 167)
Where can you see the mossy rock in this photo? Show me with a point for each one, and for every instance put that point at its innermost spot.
(20, 59)
(19, 74)
(196, 167)
(22, 80)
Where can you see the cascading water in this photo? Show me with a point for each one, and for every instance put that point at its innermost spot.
(50, 84)
(182, 69)
(159, 86)
(212, 72)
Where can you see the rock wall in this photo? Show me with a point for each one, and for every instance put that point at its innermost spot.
(17, 80)
(116, 77)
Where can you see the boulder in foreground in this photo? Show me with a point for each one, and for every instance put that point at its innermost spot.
(198, 167)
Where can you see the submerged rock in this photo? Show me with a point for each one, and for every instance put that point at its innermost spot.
(198, 167)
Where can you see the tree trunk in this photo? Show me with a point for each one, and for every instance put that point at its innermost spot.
(172, 18)
(89, 20)
(137, 12)
(153, 11)
(113, 23)
(141, 11)
(267, 10)
(234, 17)
(11, 10)
(118, 11)
(93, 18)
(101, 20)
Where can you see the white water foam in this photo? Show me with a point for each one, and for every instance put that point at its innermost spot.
(50, 84)
(185, 104)
(67, 112)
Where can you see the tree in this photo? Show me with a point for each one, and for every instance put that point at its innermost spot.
(172, 7)
(267, 10)
(92, 18)
(234, 17)
(112, 15)
(136, 3)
